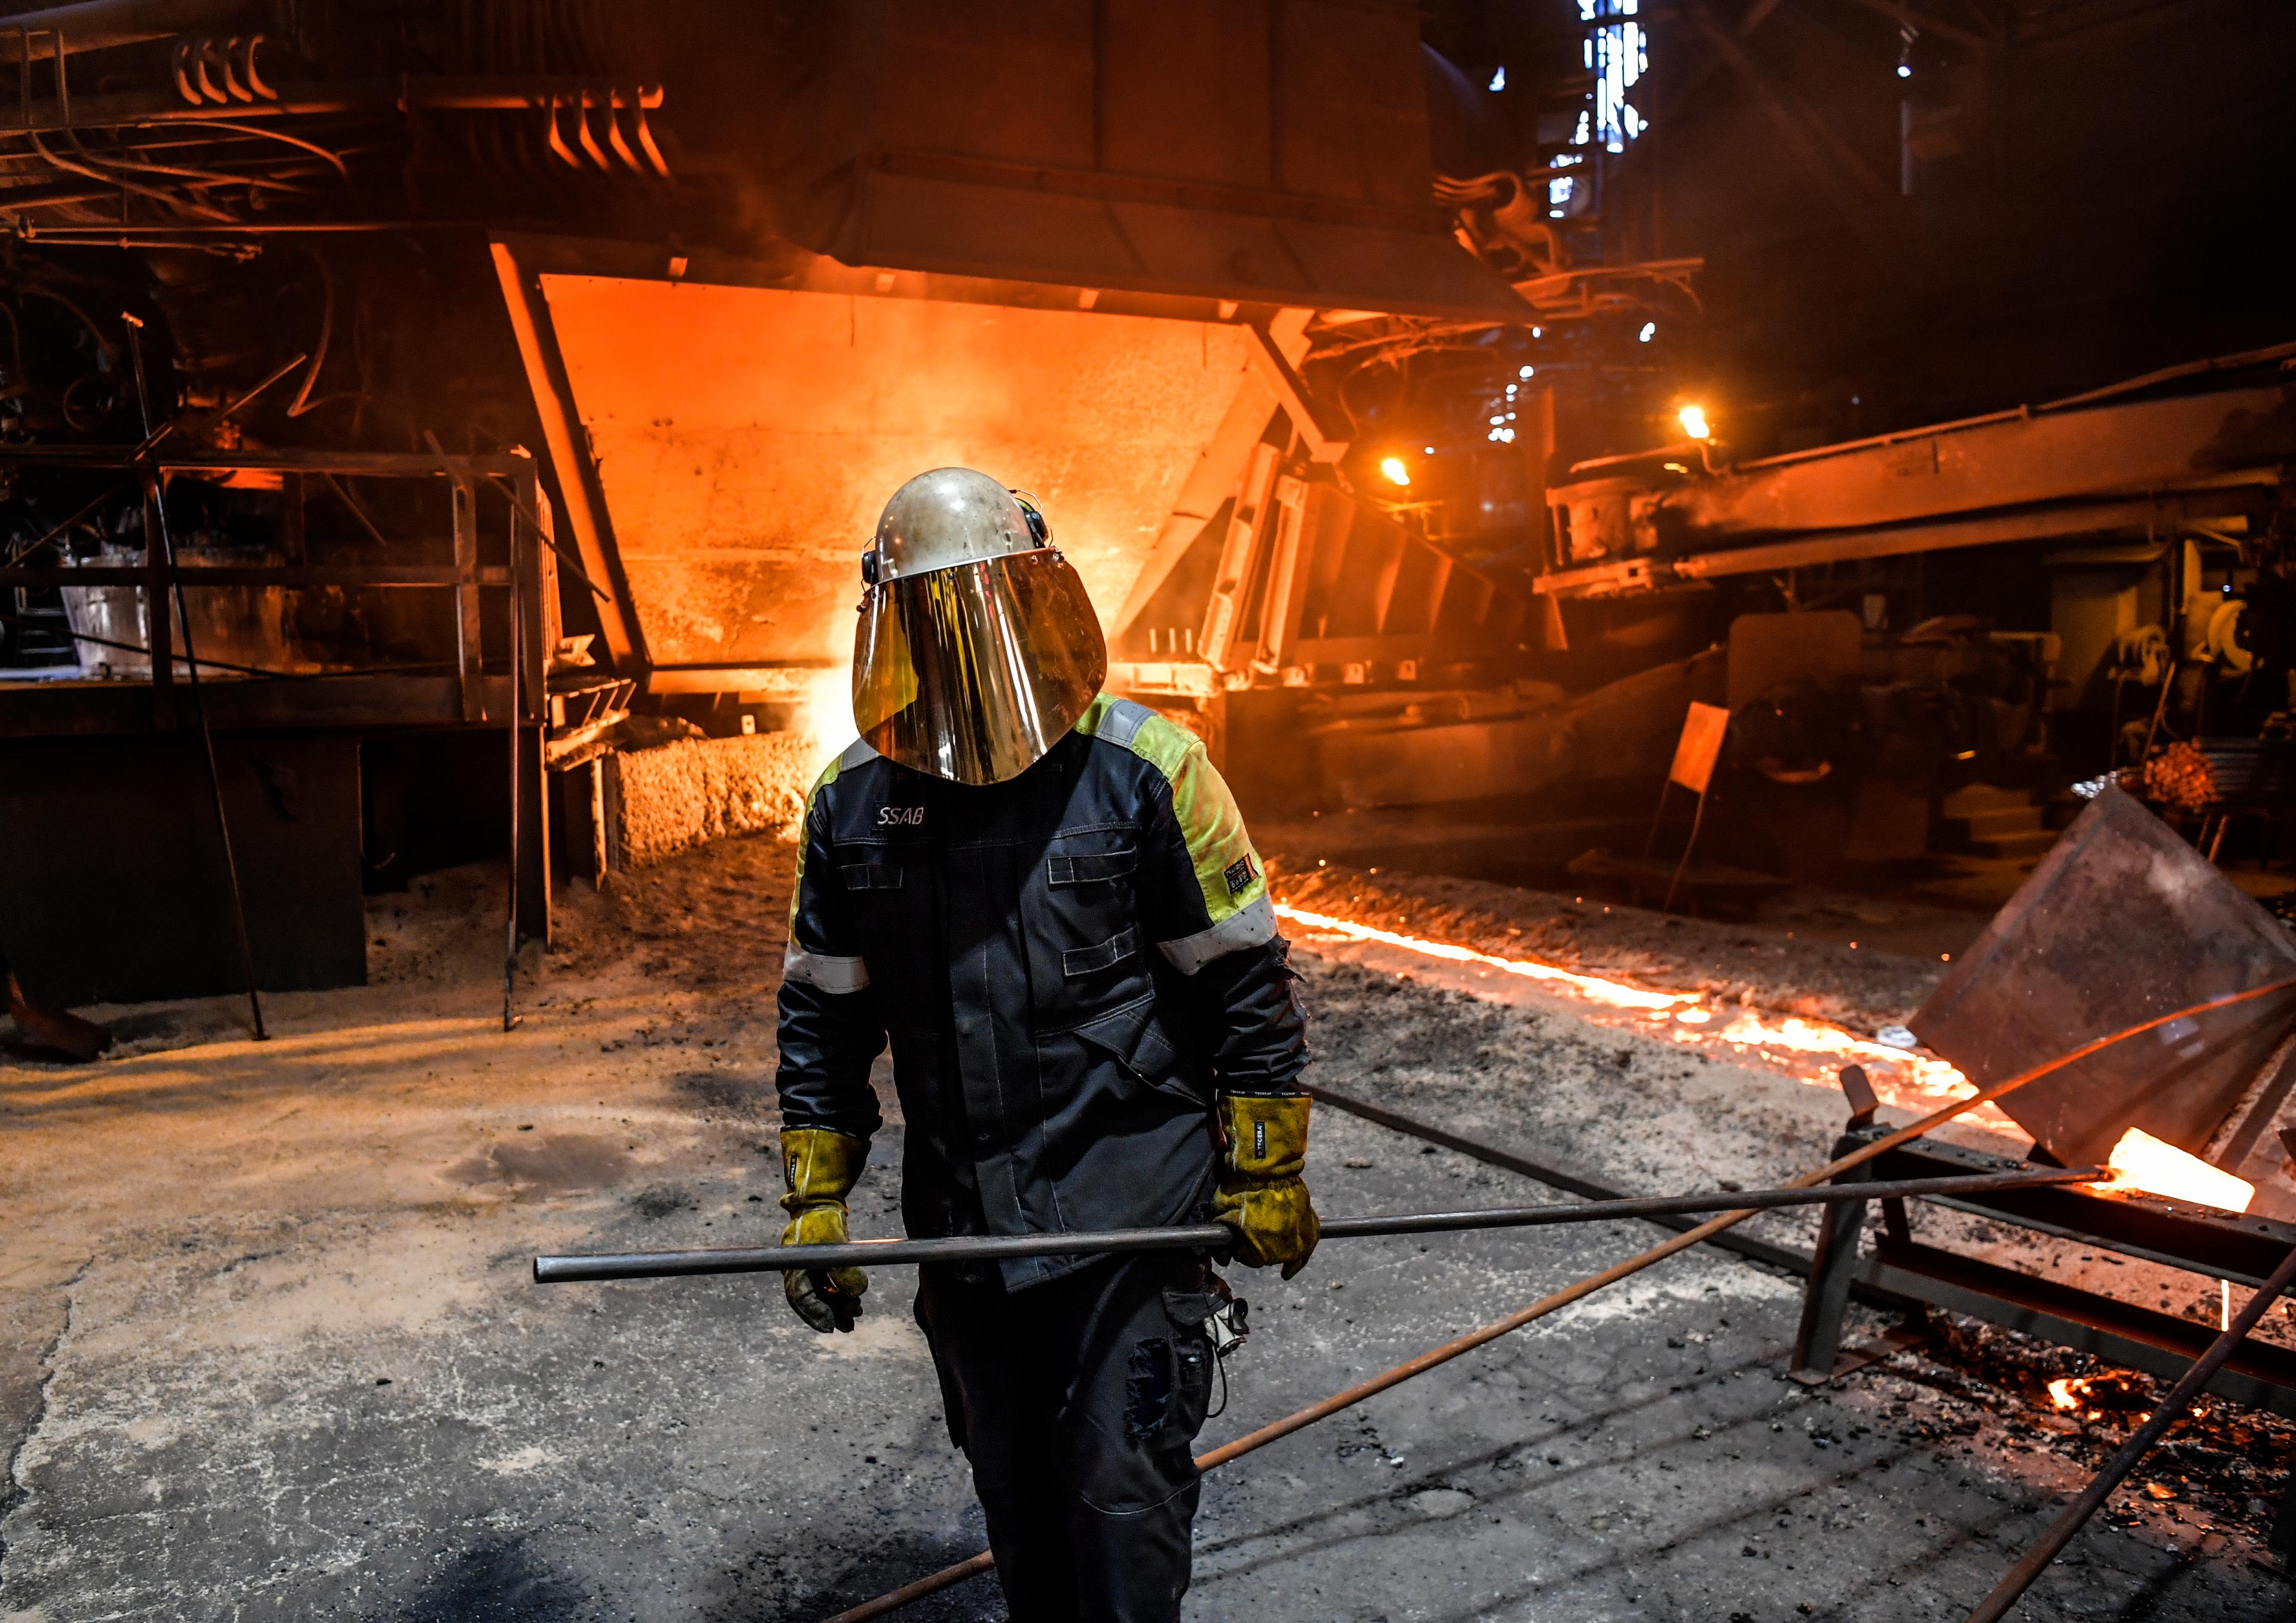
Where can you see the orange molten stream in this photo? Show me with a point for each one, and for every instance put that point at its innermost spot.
(2141, 1161)
(1903, 1078)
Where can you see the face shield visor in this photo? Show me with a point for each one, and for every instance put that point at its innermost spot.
(973, 671)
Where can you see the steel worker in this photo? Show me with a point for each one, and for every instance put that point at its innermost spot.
(1047, 899)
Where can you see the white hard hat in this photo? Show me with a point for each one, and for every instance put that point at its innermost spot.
(977, 647)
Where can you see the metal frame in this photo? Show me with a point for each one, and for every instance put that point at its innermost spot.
(467, 696)
(2215, 1244)
(370, 699)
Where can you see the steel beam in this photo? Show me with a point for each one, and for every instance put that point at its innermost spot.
(567, 442)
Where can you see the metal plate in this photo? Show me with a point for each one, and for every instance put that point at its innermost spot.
(2121, 922)
(746, 439)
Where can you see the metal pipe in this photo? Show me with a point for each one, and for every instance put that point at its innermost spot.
(1217, 1236)
(2091, 1498)
(932, 1582)
(517, 777)
(1567, 1179)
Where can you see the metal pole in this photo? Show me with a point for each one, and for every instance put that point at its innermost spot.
(155, 485)
(517, 778)
(932, 1582)
(2091, 1499)
(1697, 821)
(1217, 1236)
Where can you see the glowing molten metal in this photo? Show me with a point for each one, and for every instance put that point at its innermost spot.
(1910, 1081)
(2141, 1161)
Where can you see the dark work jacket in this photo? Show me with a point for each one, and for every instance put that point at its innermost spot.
(1068, 965)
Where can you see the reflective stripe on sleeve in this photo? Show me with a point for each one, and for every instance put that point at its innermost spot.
(1249, 926)
(829, 973)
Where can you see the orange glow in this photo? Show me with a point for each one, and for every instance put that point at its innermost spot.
(1905, 1079)
(1693, 419)
(1614, 992)
(2093, 1396)
(1397, 473)
(2141, 1161)
(825, 714)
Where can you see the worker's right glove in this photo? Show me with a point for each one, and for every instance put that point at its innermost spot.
(820, 1169)
(1261, 1194)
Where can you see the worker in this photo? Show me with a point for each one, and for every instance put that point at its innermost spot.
(1046, 900)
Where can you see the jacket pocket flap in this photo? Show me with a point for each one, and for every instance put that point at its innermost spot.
(1089, 960)
(1090, 868)
(1133, 1036)
(871, 875)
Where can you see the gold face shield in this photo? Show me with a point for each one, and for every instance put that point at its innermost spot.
(973, 671)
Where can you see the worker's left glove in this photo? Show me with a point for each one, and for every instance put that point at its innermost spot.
(1261, 1195)
(820, 1169)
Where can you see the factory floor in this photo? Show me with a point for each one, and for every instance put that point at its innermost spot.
(269, 1348)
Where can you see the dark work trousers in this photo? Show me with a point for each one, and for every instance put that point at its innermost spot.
(1077, 1401)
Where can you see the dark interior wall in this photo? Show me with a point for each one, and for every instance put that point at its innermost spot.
(2098, 196)
(111, 877)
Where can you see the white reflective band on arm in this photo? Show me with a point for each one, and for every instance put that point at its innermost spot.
(1249, 927)
(820, 970)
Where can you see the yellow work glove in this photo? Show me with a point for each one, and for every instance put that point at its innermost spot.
(1260, 1193)
(820, 1169)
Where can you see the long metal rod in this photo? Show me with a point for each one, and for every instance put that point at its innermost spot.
(1567, 1179)
(2091, 1498)
(932, 1582)
(1216, 1237)
(156, 493)
(517, 777)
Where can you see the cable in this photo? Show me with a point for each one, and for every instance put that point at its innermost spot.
(302, 402)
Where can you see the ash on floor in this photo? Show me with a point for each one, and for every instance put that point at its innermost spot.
(272, 1352)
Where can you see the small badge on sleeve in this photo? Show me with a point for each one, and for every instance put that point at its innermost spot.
(1241, 872)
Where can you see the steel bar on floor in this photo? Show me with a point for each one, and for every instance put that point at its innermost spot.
(1570, 1180)
(2166, 1413)
(1219, 1236)
(934, 1582)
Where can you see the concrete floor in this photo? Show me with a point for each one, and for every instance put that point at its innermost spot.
(271, 1351)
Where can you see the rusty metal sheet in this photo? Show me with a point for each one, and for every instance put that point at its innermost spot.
(746, 438)
(2121, 922)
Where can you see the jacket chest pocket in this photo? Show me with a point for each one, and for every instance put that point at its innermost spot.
(1073, 870)
(1083, 917)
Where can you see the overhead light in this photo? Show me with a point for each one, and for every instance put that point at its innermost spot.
(1397, 473)
(1430, 450)
(1498, 79)
(1693, 419)
(1527, 370)
(1904, 70)
(1649, 331)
